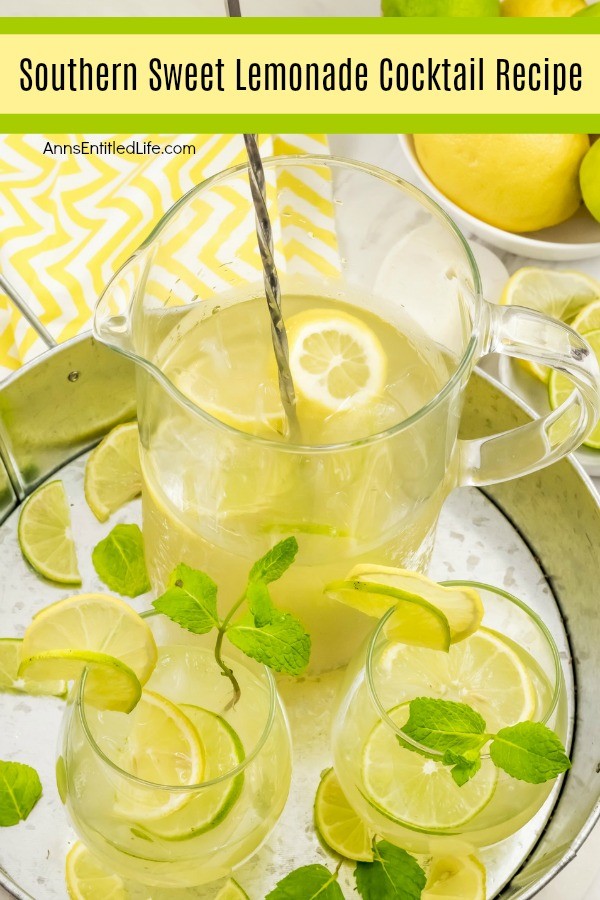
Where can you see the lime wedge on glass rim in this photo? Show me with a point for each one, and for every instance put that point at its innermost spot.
(10, 660)
(88, 879)
(207, 808)
(426, 613)
(44, 534)
(113, 472)
(336, 823)
(560, 387)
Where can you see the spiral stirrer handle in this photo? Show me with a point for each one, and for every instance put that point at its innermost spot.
(264, 234)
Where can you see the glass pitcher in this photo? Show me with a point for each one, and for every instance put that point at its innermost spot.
(222, 480)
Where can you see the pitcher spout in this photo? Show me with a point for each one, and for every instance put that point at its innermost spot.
(114, 314)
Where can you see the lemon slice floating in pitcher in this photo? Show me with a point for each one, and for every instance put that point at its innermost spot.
(427, 614)
(416, 792)
(455, 878)
(45, 534)
(339, 827)
(336, 360)
(112, 473)
(88, 879)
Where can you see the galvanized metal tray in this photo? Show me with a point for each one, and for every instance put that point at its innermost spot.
(538, 536)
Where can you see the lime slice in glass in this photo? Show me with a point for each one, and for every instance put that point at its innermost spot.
(44, 534)
(10, 660)
(231, 890)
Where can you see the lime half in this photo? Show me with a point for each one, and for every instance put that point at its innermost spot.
(113, 473)
(88, 879)
(45, 534)
(110, 684)
(416, 792)
(224, 752)
(455, 878)
(338, 826)
(10, 660)
(560, 387)
(231, 890)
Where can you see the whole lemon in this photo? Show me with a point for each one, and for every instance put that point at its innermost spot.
(450, 8)
(518, 182)
(542, 8)
(593, 10)
(589, 176)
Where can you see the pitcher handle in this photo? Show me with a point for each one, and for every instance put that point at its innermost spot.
(525, 334)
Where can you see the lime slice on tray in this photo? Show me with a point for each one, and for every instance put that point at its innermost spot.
(88, 879)
(44, 534)
(455, 878)
(110, 684)
(94, 622)
(232, 891)
(224, 752)
(559, 294)
(10, 660)
(560, 387)
(426, 615)
(338, 826)
(416, 792)
(112, 473)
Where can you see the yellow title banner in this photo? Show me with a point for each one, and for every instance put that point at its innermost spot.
(299, 74)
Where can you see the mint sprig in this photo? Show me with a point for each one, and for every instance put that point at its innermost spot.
(528, 751)
(119, 561)
(20, 790)
(263, 632)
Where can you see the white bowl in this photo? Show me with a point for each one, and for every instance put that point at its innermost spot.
(578, 238)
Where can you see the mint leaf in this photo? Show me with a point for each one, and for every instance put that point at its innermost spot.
(260, 603)
(281, 644)
(190, 600)
(20, 790)
(119, 561)
(530, 752)
(273, 564)
(393, 875)
(307, 883)
(463, 767)
(444, 725)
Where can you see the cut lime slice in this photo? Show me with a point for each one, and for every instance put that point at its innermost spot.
(482, 671)
(210, 806)
(45, 534)
(10, 660)
(232, 891)
(455, 878)
(113, 473)
(374, 589)
(338, 826)
(560, 387)
(164, 748)
(588, 319)
(110, 684)
(416, 792)
(95, 622)
(88, 879)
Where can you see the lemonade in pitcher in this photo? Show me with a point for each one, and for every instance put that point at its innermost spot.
(218, 494)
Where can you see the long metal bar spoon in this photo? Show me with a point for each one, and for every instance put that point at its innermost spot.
(264, 233)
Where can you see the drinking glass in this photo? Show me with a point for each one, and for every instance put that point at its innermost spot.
(215, 495)
(509, 671)
(215, 825)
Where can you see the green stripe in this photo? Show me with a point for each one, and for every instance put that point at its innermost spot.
(280, 124)
(219, 25)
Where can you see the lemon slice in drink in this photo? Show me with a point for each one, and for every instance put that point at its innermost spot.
(416, 792)
(112, 473)
(483, 671)
(427, 614)
(560, 387)
(110, 684)
(560, 294)
(10, 660)
(88, 879)
(161, 747)
(95, 622)
(231, 890)
(338, 826)
(224, 752)
(455, 878)
(44, 534)
(336, 360)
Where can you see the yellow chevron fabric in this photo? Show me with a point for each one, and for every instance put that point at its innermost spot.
(68, 222)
